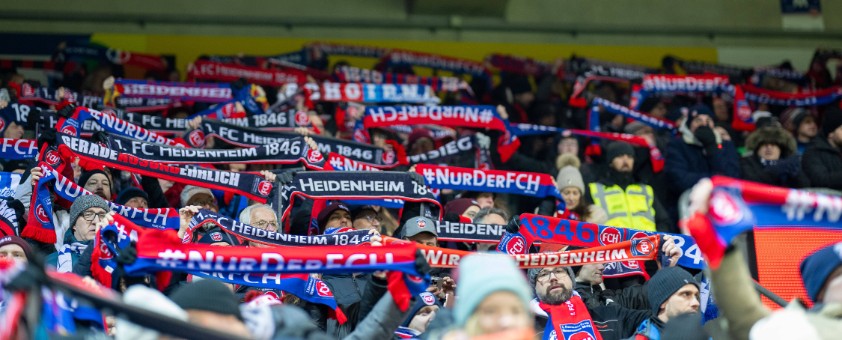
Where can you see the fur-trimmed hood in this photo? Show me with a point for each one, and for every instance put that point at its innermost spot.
(772, 135)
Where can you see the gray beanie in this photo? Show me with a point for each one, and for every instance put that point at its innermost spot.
(569, 176)
(666, 282)
(86, 202)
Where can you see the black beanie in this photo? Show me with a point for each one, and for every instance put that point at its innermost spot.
(207, 295)
(616, 149)
(666, 282)
(832, 120)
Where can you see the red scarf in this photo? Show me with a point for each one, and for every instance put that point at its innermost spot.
(569, 320)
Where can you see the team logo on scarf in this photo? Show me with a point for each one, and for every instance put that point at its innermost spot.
(737, 206)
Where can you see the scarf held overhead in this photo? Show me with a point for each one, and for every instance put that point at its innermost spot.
(93, 155)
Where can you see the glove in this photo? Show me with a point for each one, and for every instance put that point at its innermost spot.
(417, 178)
(47, 136)
(67, 111)
(128, 255)
(99, 137)
(706, 136)
(514, 225)
(421, 264)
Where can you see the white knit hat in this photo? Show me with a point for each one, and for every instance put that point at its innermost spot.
(569, 176)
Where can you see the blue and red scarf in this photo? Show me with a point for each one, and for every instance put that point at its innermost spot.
(163, 251)
(434, 61)
(292, 151)
(249, 100)
(618, 109)
(569, 320)
(655, 154)
(366, 93)
(470, 116)
(538, 228)
(195, 92)
(500, 181)
(109, 121)
(40, 224)
(350, 74)
(16, 149)
(213, 71)
(93, 155)
(737, 206)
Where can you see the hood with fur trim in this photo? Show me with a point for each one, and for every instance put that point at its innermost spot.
(772, 135)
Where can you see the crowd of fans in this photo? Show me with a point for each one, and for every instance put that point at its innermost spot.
(601, 181)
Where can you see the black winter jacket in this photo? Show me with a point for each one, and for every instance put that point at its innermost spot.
(823, 165)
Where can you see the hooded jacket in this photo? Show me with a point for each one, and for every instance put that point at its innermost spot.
(785, 172)
(822, 164)
(687, 161)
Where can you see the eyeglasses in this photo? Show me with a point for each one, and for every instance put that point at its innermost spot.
(264, 224)
(544, 275)
(90, 215)
(203, 202)
(373, 218)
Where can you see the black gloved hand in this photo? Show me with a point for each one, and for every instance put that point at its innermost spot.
(417, 178)
(67, 111)
(99, 137)
(514, 225)
(421, 264)
(128, 255)
(47, 136)
(706, 136)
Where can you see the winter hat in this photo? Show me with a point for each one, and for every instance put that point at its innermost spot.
(86, 175)
(419, 133)
(533, 272)
(150, 299)
(697, 110)
(483, 274)
(325, 213)
(772, 135)
(7, 117)
(217, 235)
(635, 127)
(666, 282)
(12, 239)
(207, 295)
(86, 202)
(832, 120)
(129, 193)
(617, 149)
(791, 118)
(567, 159)
(417, 225)
(816, 268)
(191, 190)
(455, 208)
(569, 176)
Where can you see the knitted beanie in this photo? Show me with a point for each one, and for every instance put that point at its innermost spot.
(86, 202)
(207, 295)
(666, 282)
(480, 275)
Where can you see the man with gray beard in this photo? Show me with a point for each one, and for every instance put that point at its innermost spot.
(554, 288)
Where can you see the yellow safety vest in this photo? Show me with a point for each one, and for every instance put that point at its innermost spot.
(632, 208)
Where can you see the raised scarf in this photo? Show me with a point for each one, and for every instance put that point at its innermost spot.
(518, 65)
(350, 74)
(466, 116)
(328, 185)
(500, 181)
(291, 151)
(16, 149)
(196, 92)
(618, 109)
(366, 93)
(83, 52)
(655, 154)
(95, 155)
(245, 137)
(72, 125)
(434, 61)
(469, 232)
(254, 234)
(466, 152)
(163, 251)
(737, 206)
(347, 49)
(636, 249)
(228, 73)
